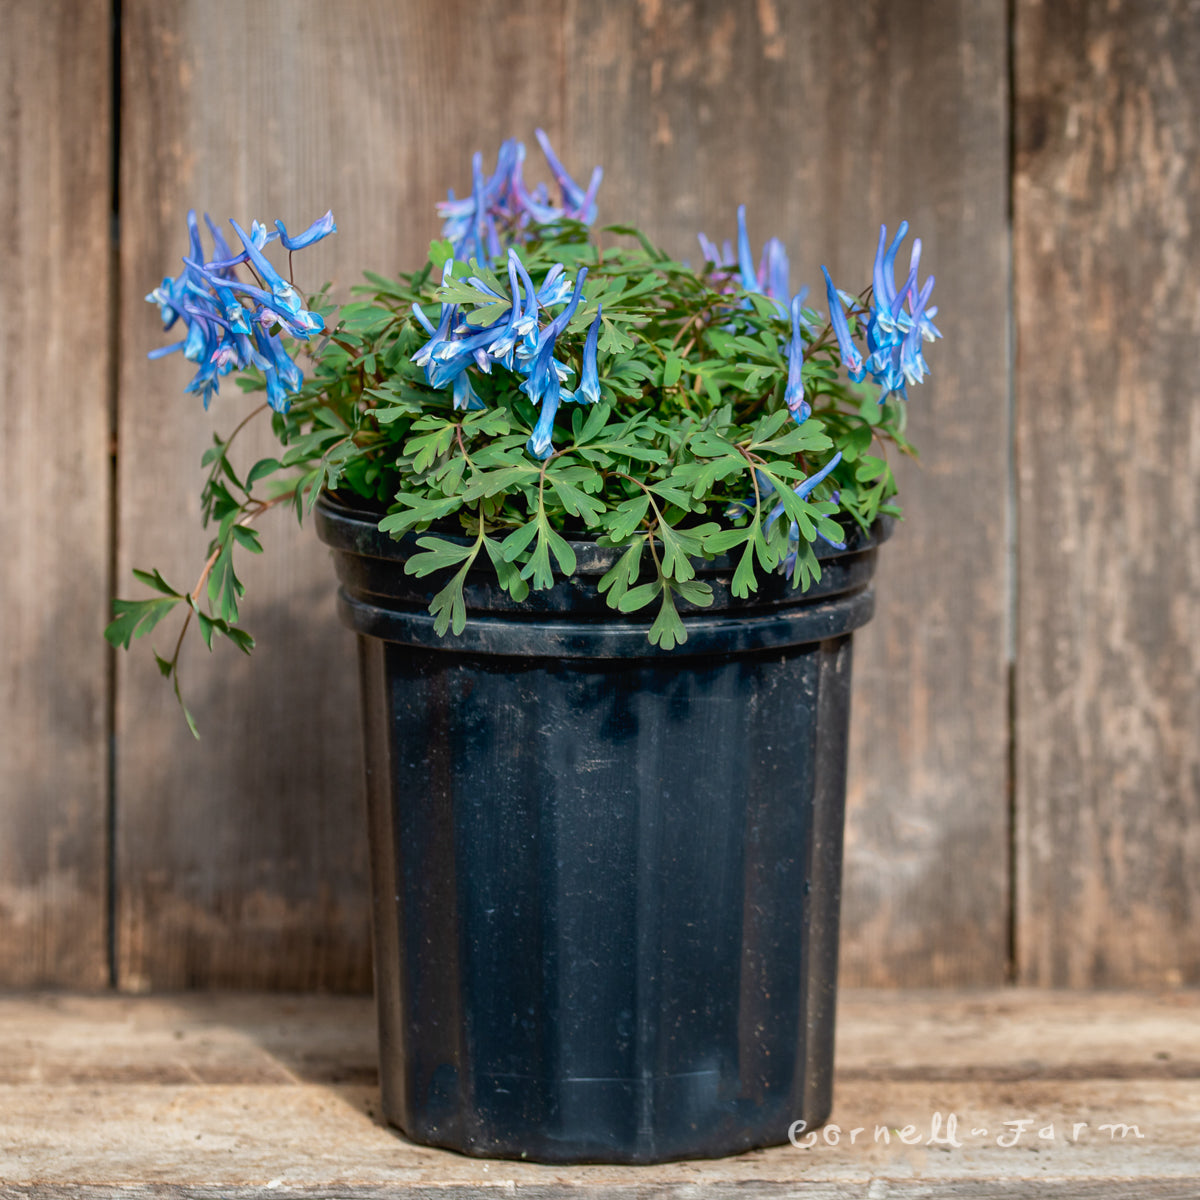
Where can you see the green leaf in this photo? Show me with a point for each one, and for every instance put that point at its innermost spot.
(240, 638)
(869, 468)
(248, 538)
(639, 597)
(668, 630)
(516, 541)
(438, 554)
(187, 716)
(856, 442)
(672, 369)
(538, 570)
(262, 468)
(157, 582)
(626, 517)
(576, 502)
(508, 575)
(441, 251)
(744, 579)
(597, 418)
(561, 549)
(136, 618)
(422, 510)
(722, 540)
(676, 496)
(448, 607)
(695, 592)
(492, 483)
(224, 587)
(616, 581)
(206, 628)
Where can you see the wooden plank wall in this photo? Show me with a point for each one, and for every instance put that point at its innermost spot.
(238, 861)
(55, 250)
(1108, 318)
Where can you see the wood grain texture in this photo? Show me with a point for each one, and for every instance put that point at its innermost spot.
(55, 205)
(1107, 217)
(217, 1096)
(824, 128)
(241, 858)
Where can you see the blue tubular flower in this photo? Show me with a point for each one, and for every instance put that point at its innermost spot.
(300, 324)
(532, 204)
(773, 271)
(220, 245)
(425, 322)
(589, 383)
(168, 303)
(578, 203)
(276, 358)
(893, 335)
(802, 489)
(884, 277)
(745, 259)
(912, 361)
(518, 324)
(544, 385)
(500, 206)
(794, 392)
(541, 440)
(851, 357)
(222, 333)
(478, 234)
(286, 296)
(712, 254)
(465, 395)
(322, 227)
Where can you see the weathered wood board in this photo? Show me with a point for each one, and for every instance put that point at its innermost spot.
(822, 128)
(240, 858)
(55, 394)
(214, 1096)
(1107, 197)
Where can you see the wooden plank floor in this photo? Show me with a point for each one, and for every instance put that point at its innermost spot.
(237, 1096)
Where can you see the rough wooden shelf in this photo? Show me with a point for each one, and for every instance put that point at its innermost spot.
(237, 1096)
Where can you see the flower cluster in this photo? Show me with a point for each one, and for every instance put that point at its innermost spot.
(501, 208)
(894, 336)
(500, 211)
(516, 341)
(769, 278)
(232, 324)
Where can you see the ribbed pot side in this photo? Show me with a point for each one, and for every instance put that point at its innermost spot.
(606, 878)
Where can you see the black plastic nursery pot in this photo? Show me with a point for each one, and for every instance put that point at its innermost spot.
(606, 877)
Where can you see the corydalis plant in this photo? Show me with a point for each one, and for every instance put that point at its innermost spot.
(536, 381)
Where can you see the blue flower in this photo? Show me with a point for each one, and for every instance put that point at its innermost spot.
(851, 358)
(544, 385)
(894, 336)
(802, 489)
(322, 227)
(224, 334)
(589, 383)
(501, 206)
(577, 203)
(465, 396)
(769, 278)
(543, 372)
(746, 272)
(286, 296)
(794, 392)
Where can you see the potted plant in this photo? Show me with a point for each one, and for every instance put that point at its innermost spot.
(604, 523)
